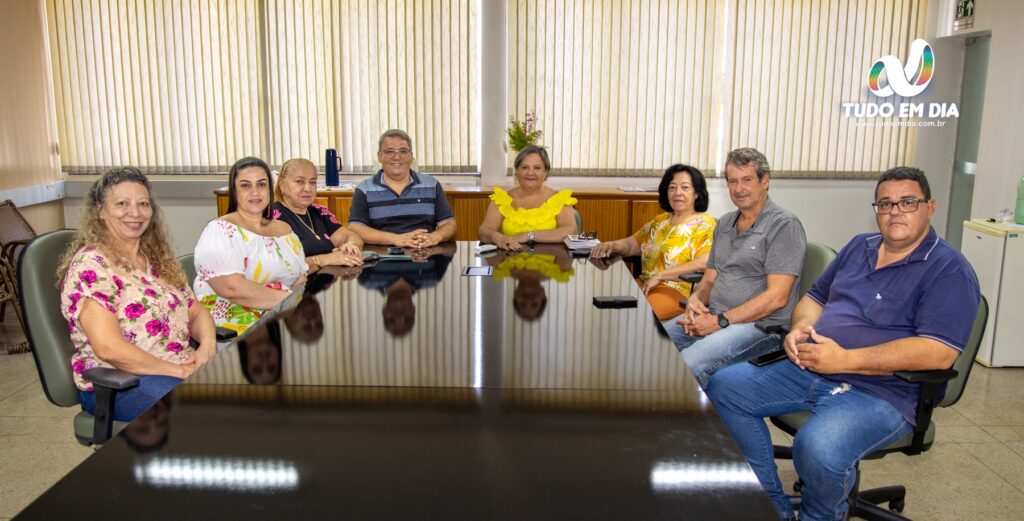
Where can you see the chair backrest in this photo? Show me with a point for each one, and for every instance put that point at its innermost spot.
(964, 362)
(579, 220)
(13, 227)
(188, 265)
(816, 258)
(45, 326)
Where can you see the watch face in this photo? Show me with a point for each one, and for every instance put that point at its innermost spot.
(722, 321)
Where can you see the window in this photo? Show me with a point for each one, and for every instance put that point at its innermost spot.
(619, 87)
(191, 86)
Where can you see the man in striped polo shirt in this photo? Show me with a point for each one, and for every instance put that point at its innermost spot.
(397, 205)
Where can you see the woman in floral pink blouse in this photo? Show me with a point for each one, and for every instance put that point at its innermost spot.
(126, 299)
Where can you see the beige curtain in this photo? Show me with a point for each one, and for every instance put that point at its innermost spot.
(342, 72)
(794, 63)
(619, 87)
(189, 86)
(168, 85)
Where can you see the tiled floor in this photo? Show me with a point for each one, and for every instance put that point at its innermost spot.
(974, 471)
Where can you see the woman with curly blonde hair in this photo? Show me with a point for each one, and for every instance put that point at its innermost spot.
(126, 299)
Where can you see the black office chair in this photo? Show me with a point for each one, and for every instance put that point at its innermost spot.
(47, 333)
(864, 503)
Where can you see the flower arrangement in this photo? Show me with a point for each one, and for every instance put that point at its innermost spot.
(522, 134)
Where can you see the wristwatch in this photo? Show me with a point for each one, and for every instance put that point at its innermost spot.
(531, 236)
(722, 321)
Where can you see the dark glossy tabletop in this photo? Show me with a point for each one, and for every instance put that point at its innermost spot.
(409, 391)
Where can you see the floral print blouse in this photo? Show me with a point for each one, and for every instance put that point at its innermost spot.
(664, 246)
(225, 249)
(153, 315)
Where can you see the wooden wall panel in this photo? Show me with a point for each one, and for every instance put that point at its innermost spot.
(608, 217)
(469, 213)
(608, 211)
(643, 212)
(340, 207)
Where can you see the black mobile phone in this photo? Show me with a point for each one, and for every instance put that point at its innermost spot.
(395, 250)
(769, 358)
(615, 302)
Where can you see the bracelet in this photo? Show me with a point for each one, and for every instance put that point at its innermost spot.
(316, 259)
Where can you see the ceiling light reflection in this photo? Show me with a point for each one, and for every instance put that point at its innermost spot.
(672, 477)
(233, 474)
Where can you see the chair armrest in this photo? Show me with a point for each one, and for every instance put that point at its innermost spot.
(115, 379)
(692, 277)
(224, 334)
(918, 377)
(931, 383)
(106, 383)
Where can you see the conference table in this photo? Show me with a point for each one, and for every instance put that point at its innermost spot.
(407, 390)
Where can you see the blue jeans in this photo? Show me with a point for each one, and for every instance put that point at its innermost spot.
(736, 343)
(129, 404)
(845, 425)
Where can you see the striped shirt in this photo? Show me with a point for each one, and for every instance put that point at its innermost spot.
(421, 205)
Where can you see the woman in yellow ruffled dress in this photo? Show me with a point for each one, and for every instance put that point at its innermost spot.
(531, 212)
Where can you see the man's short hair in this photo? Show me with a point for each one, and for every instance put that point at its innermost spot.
(394, 132)
(906, 173)
(742, 157)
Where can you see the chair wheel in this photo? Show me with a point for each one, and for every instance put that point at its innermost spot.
(798, 485)
(897, 505)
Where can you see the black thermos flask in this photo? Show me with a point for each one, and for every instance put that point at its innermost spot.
(331, 167)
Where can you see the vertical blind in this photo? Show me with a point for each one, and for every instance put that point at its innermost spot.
(795, 63)
(183, 86)
(164, 85)
(618, 86)
(629, 87)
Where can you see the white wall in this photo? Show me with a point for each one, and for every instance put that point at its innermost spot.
(999, 166)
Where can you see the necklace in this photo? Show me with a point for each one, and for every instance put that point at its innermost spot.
(307, 226)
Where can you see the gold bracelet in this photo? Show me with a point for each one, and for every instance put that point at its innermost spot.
(316, 259)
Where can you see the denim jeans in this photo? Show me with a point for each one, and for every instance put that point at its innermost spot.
(129, 404)
(736, 343)
(846, 424)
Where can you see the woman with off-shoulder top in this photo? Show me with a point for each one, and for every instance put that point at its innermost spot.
(532, 212)
(246, 261)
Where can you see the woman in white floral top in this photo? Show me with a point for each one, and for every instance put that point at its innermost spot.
(126, 299)
(247, 262)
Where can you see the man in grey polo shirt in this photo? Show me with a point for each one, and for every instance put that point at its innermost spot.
(751, 280)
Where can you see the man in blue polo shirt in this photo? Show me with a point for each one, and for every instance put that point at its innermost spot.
(397, 205)
(903, 299)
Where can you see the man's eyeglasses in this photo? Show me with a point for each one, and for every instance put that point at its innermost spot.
(906, 205)
(399, 152)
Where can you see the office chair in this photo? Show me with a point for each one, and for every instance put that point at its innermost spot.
(864, 503)
(188, 265)
(47, 333)
(579, 220)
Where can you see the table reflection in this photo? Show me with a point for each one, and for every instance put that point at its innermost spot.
(420, 322)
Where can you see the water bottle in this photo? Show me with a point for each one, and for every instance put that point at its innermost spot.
(1018, 213)
(331, 167)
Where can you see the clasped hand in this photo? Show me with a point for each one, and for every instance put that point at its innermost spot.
(417, 239)
(698, 320)
(809, 350)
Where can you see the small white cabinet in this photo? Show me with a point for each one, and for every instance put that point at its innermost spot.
(996, 251)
